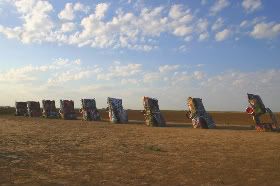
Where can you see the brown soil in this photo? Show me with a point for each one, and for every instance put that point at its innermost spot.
(35, 151)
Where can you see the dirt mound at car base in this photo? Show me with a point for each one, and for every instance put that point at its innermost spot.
(227, 118)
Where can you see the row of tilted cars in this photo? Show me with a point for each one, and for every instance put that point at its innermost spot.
(153, 117)
(66, 111)
(89, 111)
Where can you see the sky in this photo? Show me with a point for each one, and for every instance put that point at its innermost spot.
(218, 50)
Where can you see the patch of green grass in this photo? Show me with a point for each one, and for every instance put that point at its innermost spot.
(153, 148)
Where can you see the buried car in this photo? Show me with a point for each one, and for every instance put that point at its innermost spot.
(67, 110)
(152, 114)
(21, 109)
(256, 109)
(49, 109)
(197, 113)
(33, 109)
(116, 112)
(89, 110)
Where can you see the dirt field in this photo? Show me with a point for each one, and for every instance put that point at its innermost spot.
(35, 151)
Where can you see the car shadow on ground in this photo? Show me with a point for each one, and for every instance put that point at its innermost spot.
(218, 127)
(235, 127)
(178, 125)
(189, 125)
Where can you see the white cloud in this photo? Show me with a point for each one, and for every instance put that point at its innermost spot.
(151, 77)
(123, 30)
(222, 35)
(177, 11)
(258, 20)
(218, 6)
(120, 71)
(251, 23)
(265, 30)
(168, 68)
(11, 33)
(182, 48)
(70, 70)
(100, 10)
(66, 62)
(251, 5)
(182, 31)
(135, 30)
(199, 75)
(203, 36)
(151, 21)
(61, 61)
(244, 24)
(200, 65)
(37, 24)
(243, 80)
(68, 13)
(19, 74)
(218, 24)
(180, 78)
(179, 19)
(77, 62)
(70, 75)
(24, 6)
(29, 72)
(202, 25)
(125, 70)
(126, 30)
(129, 81)
(188, 38)
(68, 27)
(201, 29)
(81, 7)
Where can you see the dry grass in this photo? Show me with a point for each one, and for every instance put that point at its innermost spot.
(37, 151)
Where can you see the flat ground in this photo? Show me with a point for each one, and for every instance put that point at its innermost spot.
(36, 151)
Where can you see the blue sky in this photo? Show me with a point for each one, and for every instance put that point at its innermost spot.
(214, 49)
